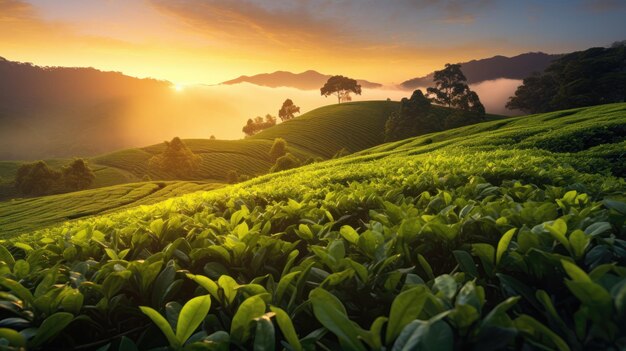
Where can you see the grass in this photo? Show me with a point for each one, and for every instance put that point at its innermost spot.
(24, 215)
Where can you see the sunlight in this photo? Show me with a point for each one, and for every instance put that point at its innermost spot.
(178, 88)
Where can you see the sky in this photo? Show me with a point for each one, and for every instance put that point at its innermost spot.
(210, 41)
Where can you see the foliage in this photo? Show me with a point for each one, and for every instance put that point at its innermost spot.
(232, 177)
(342, 87)
(583, 78)
(77, 175)
(485, 245)
(451, 90)
(253, 126)
(288, 110)
(416, 117)
(36, 178)
(279, 148)
(177, 159)
(287, 161)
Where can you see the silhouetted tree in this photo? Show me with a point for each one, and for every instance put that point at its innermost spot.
(77, 175)
(279, 148)
(212, 137)
(258, 124)
(585, 78)
(177, 159)
(451, 90)
(342, 87)
(37, 179)
(413, 118)
(288, 110)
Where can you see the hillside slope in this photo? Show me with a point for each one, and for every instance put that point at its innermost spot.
(503, 235)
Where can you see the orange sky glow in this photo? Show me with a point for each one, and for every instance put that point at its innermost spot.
(204, 41)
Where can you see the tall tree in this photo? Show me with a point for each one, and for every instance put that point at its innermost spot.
(288, 110)
(342, 87)
(451, 90)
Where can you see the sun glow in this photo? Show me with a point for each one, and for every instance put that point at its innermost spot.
(178, 88)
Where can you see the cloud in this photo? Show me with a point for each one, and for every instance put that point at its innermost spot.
(248, 22)
(453, 11)
(599, 6)
(15, 10)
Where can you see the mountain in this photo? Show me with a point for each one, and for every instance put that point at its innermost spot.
(66, 111)
(309, 80)
(476, 71)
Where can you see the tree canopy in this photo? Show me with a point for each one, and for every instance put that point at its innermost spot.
(36, 178)
(288, 110)
(585, 78)
(177, 159)
(253, 126)
(342, 87)
(279, 148)
(451, 90)
(77, 175)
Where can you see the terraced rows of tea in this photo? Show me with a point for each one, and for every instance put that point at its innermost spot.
(503, 235)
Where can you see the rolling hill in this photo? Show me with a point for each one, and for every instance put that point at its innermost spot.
(476, 71)
(308, 80)
(506, 234)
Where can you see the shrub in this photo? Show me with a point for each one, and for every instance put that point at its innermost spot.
(279, 148)
(177, 159)
(232, 177)
(285, 162)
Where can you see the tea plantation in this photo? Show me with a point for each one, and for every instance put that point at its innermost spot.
(503, 235)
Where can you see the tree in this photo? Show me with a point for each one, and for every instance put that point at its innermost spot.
(413, 118)
(37, 179)
(232, 177)
(584, 78)
(253, 126)
(177, 159)
(451, 90)
(288, 110)
(342, 87)
(77, 175)
(212, 137)
(279, 148)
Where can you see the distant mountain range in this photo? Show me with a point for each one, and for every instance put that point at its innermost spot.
(476, 71)
(309, 80)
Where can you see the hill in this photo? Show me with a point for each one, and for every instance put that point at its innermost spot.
(308, 80)
(476, 71)
(48, 112)
(318, 133)
(502, 235)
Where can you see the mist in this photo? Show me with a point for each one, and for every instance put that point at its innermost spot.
(198, 111)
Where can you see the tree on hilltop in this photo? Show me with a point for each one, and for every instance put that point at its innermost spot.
(253, 126)
(279, 148)
(288, 110)
(342, 87)
(451, 90)
(36, 178)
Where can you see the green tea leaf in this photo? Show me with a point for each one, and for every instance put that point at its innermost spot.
(191, 316)
(162, 323)
(503, 244)
(286, 327)
(330, 312)
(253, 307)
(405, 308)
(51, 327)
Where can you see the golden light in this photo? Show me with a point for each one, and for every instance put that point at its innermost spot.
(179, 88)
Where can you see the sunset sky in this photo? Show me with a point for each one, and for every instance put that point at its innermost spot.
(204, 41)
